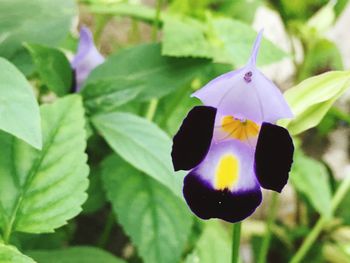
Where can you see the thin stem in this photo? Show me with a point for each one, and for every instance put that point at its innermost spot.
(102, 241)
(270, 221)
(156, 22)
(153, 104)
(236, 239)
(152, 107)
(321, 223)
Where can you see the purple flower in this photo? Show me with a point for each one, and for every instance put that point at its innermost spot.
(86, 59)
(231, 145)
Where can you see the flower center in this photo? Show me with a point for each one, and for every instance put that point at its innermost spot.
(227, 172)
(238, 129)
(248, 76)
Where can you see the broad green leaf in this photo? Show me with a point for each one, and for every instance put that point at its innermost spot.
(108, 95)
(311, 99)
(222, 39)
(44, 22)
(237, 39)
(185, 37)
(53, 67)
(212, 246)
(138, 73)
(157, 221)
(310, 177)
(19, 110)
(10, 254)
(79, 254)
(142, 144)
(41, 190)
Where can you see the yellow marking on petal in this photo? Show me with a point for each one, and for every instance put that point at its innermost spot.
(226, 174)
(240, 130)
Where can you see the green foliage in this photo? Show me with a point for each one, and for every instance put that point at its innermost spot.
(157, 221)
(53, 67)
(45, 188)
(311, 178)
(126, 134)
(131, 201)
(37, 21)
(222, 39)
(137, 73)
(322, 56)
(207, 251)
(19, 111)
(10, 254)
(96, 195)
(74, 255)
(311, 99)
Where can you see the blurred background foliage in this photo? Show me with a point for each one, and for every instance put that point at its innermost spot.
(157, 53)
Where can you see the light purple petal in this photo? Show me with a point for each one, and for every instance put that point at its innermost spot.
(87, 57)
(246, 93)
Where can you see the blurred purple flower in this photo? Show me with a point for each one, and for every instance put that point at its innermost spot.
(86, 59)
(231, 145)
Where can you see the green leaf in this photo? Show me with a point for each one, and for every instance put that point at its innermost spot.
(79, 254)
(142, 144)
(212, 246)
(108, 95)
(53, 67)
(185, 37)
(43, 189)
(10, 254)
(310, 177)
(321, 56)
(38, 21)
(19, 110)
(157, 221)
(222, 39)
(138, 73)
(311, 99)
(96, 195)
(238, 39)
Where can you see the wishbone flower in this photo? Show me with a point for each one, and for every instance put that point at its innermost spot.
(232, 146)
(86, 59)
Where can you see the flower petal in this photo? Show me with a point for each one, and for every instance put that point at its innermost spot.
(224, 185)
(273, 157)
(192, 141)
(246, 93)
(87, 57)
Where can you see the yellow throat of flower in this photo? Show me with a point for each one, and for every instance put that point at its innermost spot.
(239, 130)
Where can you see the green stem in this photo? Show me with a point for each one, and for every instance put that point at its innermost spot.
(236, 239)
(152, 106)
(322, 222)
(102, 241)
(156, 22)
(270, 221)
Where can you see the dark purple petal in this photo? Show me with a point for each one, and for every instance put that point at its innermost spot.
(206, 202)
(87, 57)
(273, 157)
(192, 141)
(224, 185)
